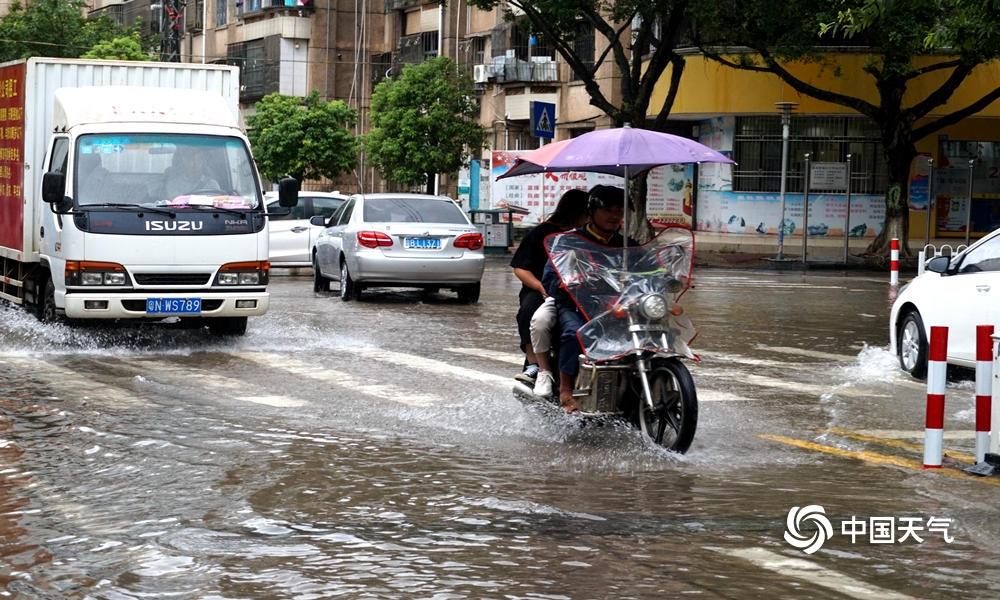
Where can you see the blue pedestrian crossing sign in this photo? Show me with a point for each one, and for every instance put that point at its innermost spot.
(543, 119)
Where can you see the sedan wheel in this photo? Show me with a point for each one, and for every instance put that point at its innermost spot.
(349, 289)
(320, 283)
(912, 345)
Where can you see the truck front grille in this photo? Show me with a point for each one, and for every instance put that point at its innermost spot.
(172, 278)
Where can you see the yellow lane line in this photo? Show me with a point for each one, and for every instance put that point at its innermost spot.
(894, 443)
(875, 458)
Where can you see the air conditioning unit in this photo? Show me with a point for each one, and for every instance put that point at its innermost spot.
(481, 73)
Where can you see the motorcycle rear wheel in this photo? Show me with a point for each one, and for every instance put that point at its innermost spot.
(674, 422)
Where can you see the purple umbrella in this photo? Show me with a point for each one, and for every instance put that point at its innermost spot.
(626, 152)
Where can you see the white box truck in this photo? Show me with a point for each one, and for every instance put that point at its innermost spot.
(128, 191)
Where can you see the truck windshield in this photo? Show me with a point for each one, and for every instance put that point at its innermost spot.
(163, 169)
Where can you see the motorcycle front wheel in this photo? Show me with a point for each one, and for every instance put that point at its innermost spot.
(673, 422)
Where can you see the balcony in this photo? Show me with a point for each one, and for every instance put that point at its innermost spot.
(509, 69)
(253, 8)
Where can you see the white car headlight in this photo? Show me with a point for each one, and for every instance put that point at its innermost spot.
(653, 307)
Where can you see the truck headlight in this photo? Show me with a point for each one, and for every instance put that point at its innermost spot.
(93, 273)
(244, 273)
(653, 307)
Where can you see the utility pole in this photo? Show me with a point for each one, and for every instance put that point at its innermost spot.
(171, 29)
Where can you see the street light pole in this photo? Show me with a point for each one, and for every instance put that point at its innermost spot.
(786, 109)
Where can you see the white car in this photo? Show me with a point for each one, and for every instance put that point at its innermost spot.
(291, 236)
(399, 240)
(955, 292)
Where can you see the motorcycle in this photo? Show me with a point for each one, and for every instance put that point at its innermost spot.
(635, 334)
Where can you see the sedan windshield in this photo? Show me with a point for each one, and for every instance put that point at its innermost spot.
(412, 210)
(160, 169)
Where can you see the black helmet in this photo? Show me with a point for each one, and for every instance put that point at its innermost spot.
(605, 196)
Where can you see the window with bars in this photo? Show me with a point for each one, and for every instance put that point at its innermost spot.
(757, 152)
(583, 45)
(478, 50)
(429, 44)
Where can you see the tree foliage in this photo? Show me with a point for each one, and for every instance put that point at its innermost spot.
(127, 47)
(424, 122)
(907, 42)
(307, 138)
(52, 28)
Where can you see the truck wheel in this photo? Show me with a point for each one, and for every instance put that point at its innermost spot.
(47, 307)
(228, 325)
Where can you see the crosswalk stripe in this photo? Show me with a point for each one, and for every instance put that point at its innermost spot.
(344, 380)
(504, 357)
(811, 573)
(809, 353)
(796, 386)
(431, 365)
(69, 381)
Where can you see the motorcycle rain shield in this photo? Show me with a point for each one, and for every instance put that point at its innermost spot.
(604, 291)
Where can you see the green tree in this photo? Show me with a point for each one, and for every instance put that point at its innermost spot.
(52, 28)
(424, 122)
(907, 42)
(640, 39)
(307, 138)
(127, 47)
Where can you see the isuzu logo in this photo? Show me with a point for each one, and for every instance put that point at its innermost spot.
(174, 225)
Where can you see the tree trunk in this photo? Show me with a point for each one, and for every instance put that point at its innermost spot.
(639, 227)
(430, 184)
(897, 203)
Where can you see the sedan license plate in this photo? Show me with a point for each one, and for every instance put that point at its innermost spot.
(173, 306)
(423, 243)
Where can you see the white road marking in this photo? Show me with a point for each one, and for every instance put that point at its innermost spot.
(809, 353)
(343, 380)
(72, 383)
(813, 574)
(722, 357)
(916, 434)
(430, 365)
(276, 401)
(709, 395)
(513, 358)
(796, 386)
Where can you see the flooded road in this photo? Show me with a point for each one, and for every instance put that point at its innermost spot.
(374, 449)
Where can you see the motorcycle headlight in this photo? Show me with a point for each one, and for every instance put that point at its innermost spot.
(653, 307)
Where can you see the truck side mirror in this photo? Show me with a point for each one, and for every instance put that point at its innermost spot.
(938, 264)
(53, 187)
(288, 192)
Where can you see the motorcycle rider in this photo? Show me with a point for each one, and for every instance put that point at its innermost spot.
(606, 212)
(528, 263)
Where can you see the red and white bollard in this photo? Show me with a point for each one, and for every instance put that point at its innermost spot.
(894, 262)
(937, 372)
(984, 388)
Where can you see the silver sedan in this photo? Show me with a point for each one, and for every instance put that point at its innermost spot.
(398, 240)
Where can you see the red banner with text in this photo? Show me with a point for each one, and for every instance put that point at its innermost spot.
(12, 156)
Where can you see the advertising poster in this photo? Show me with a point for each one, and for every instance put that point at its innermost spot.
(11, 156)
(951, 187)
(669, 191)
(920, 184)
(760, 213)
